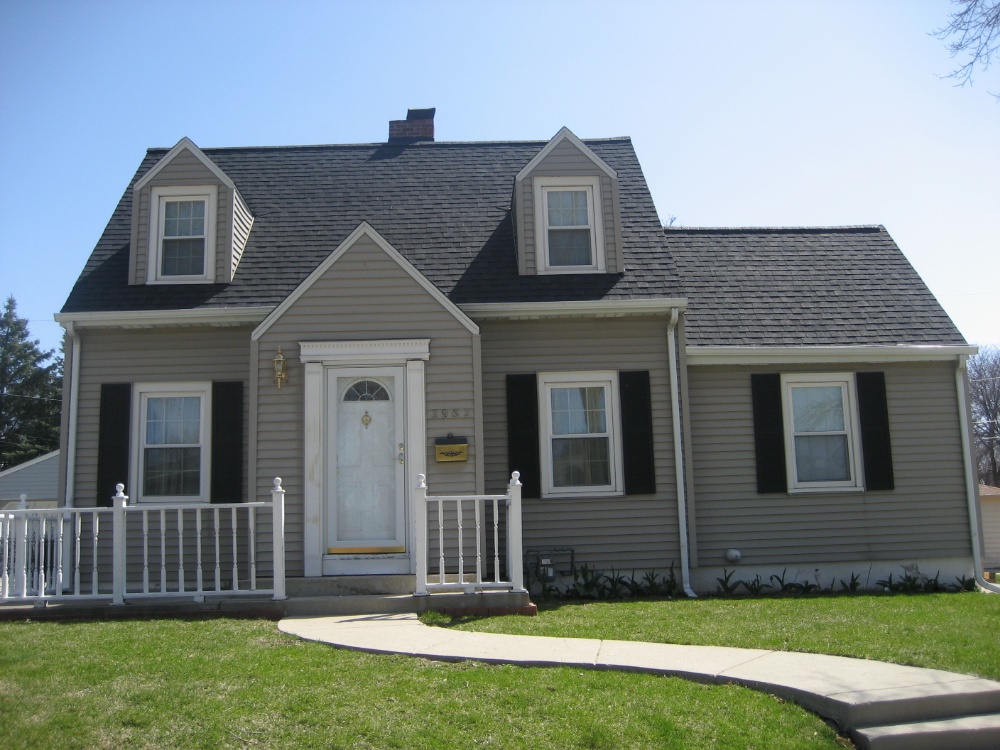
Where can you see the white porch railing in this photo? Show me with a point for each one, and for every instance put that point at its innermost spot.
(142, 551)
(460, 520)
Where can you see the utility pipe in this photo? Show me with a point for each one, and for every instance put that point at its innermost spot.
(971, 477)
(675, 413)
(74, 393)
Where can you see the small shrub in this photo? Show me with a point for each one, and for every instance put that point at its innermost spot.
(726, 586)
(853, 586)
(756, 587)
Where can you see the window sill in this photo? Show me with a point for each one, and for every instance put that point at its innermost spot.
(596, 495)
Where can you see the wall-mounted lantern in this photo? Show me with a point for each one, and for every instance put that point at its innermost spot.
(280, 368)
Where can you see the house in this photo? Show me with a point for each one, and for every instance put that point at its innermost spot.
(989, 507)
(352, 318)
(37, 480)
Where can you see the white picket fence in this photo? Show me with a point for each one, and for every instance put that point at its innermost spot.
(147, 551)
(460, 520)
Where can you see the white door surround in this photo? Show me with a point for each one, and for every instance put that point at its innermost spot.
(399, 362)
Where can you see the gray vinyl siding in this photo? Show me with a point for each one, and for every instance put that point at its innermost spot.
(924, 516)
(39, 481)
(989, 509)
(149, 356)
(184, 169)
(242, 223)
(565, 160)
(637, 531)
(365, 295)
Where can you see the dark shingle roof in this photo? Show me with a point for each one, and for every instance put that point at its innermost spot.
(444, 206)
(812, 286)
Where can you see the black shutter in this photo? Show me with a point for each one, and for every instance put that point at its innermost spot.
(768, 433)
(522, 433)
(874, 416)
(227, 442)
(113, 441)
(637, 432)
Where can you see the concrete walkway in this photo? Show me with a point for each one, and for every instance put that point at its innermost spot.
(881, 706)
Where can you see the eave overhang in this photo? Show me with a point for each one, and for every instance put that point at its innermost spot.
(217, 317)
(573, 309)
(804, 355)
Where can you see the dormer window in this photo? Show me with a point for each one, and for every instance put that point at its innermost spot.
(570, 237)
(182, 235)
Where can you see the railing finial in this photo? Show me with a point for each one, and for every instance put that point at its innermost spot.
(120, 493)
(277, 484)
(515, 478)
(421, 482)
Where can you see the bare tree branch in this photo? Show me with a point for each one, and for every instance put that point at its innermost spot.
(976, 24)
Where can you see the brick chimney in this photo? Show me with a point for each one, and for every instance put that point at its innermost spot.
(418, 126)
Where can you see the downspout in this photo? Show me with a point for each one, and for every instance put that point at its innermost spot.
(74, 393)
(971, 478)
(675, 414)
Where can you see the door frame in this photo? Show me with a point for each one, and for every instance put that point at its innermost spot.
(317, 358)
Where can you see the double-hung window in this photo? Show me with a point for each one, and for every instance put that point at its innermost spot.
(821, 432)
(570, 237)
(171, 459)
(182, 234)
(581, 451)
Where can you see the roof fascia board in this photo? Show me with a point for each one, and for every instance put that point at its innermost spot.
(157, 318)
(182, 144)
(801, 355)
(364, 229)
(565, 134)
(573, 309)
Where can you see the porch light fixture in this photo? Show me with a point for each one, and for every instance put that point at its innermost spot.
(280, 372)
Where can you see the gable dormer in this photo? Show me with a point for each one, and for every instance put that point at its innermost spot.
(189, 222)
(566, 211)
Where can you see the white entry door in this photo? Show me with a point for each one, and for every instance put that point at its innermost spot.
(366, 454)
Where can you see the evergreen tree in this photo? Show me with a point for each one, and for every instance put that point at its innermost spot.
(30, 393)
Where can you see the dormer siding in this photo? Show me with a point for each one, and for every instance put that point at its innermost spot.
(231, 219)
(565, 160)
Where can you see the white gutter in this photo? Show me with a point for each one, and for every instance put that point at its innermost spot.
(779, 355)
(675, 414)
(971, 478)
(74, 393)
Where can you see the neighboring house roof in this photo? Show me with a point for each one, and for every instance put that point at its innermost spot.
(810, 286)
(37, 478)
(444, 206)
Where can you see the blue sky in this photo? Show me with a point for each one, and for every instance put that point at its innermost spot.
(742, 113)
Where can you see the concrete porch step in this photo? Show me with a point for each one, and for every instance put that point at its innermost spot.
(963, 733)
(491, 602)
(368, 585)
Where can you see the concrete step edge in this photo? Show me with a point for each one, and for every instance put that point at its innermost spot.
(979, 732)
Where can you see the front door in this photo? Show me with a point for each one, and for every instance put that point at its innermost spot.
(365, 487)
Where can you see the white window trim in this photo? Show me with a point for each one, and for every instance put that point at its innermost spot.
(140, 393)
(159, 196)
(592, 186)
(607, 379)
(852, 423)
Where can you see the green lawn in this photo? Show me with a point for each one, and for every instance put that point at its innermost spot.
(231, 683)
(242, 684)
(944, 631)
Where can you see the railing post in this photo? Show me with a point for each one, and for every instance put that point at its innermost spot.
(515, 564)
(278, 537)
(420, 533)
(21, 555)
(118, 545)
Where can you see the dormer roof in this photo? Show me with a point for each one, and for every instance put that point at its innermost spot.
(565, 134)
(185, 144)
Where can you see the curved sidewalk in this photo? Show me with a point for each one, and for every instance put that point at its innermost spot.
(881, 705)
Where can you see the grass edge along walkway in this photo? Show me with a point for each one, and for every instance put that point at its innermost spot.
(240, 684)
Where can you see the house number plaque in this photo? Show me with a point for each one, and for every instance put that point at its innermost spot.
(450, 414)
